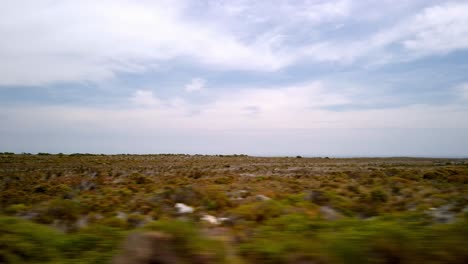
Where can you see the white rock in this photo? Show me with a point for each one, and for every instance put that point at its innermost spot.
(329, 213)
(261, 197)
(121, 215)
(183, 208)
(82, 222)
(210, 219)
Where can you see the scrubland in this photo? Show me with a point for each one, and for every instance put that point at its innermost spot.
(84, 208)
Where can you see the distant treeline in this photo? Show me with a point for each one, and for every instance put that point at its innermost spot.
(122, 154)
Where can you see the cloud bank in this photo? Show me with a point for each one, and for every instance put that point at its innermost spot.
(68, 41)
(373, 77)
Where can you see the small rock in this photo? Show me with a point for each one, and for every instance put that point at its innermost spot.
(261, 197)
(183, 208)
(224, 219)
(82, 222)
(86, 185)
(121, 215)
(442, 215)
(210, 219)
(329, 213)
(30, 215)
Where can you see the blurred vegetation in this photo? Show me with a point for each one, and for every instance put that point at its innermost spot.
(22, 241)
(86, 208)
(404, 238)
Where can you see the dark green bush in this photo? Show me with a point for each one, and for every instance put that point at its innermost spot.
(400, 239)
(64, 210)
(378, 196)
(22, 241)
(260, 211)
(195, 174)
(25, 242)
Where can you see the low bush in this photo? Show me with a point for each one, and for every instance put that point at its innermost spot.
(402, 239)
(22, 241)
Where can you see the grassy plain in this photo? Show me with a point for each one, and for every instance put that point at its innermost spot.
(82, 208)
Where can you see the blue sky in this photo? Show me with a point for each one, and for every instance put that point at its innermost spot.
(313, 78)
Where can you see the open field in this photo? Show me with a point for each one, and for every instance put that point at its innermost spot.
(232, 209)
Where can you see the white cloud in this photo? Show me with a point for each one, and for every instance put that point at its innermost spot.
(463, 91)
(51, 41)
(145, 98)
(262, 121)
(247, 113)
(248, 12)
(195, 85)
(438, 29)
(328, 10)
(276, 100)
(301, 106)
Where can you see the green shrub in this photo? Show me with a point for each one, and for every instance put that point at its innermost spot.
(260, 211)
(214, 197)
(16, 209)
(407, 238)
(195, 174)
(94, 244)
(65, 210)
(139, 179)
(288, 238)
(378, 196)
(22, 241)
(25, 242)
(353, 189)
(223, 180)
(435, 175)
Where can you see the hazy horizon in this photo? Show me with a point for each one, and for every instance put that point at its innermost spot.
(405, 144)
(336, 78)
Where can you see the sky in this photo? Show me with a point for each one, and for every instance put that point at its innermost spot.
(314, 78)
